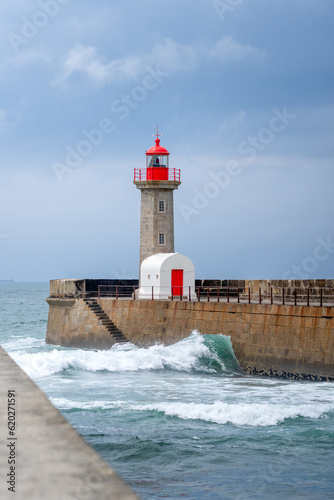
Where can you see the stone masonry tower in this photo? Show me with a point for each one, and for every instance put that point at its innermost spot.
(157, 182)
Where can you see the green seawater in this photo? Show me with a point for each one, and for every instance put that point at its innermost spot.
(180, 421)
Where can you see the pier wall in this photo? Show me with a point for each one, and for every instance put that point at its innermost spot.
(286, 341)
(46, 458)
(283, 341)
(72, 324)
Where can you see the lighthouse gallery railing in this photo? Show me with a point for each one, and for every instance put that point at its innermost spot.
(174, 174)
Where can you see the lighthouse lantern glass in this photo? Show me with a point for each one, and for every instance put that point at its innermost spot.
(157, 161)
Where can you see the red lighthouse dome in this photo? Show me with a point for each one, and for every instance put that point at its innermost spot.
(157, 149)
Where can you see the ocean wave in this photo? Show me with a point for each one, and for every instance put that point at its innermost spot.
(219, 412)
(251, 415)
(21, 343)
(196, 353)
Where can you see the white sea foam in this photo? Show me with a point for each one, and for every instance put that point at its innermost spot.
(70, 404)
(253, 415)
(21, 343)
(240, 414)
(184, 356)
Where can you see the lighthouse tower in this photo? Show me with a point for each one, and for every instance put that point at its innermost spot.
(156, 182)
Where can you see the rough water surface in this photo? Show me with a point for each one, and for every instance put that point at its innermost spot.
(180, 421)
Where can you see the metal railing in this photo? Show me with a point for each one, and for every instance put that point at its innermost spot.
(117, 291)
(140, 174)
(246, 295)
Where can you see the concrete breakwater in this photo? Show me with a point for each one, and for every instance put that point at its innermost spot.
(285, 341)
(45, 457)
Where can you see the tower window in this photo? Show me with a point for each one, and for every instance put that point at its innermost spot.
(161, 206)
(161, 238)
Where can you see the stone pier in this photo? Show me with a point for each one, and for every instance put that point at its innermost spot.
(287, 341)
(48, 459)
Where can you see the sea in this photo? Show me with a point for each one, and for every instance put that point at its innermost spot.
(180, 421)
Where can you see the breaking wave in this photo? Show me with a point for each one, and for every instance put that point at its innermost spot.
(196, 353)
(253, 415)
(219, 412)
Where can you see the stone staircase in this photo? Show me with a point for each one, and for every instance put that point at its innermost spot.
(106, 321)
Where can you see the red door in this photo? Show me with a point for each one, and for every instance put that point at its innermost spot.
(177, 281)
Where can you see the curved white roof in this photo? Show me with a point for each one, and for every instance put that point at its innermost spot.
(160, 262)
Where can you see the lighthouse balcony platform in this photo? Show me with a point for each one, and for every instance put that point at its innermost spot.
(157, 174)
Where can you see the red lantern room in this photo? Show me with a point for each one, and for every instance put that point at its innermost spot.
(157, 162)
(157, 165)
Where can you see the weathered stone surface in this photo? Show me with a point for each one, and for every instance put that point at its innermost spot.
(153, 222)
(52, 461)
(67, 288)
(263, 337)
(72, 324)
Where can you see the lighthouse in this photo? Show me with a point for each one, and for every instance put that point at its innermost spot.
(156, 182)
(163, 273)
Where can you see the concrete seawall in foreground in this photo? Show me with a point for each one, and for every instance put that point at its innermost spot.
(275, 340)
(49, 459)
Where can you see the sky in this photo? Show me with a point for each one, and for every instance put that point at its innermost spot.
(242, 91)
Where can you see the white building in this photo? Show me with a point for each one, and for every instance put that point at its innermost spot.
(164, 275)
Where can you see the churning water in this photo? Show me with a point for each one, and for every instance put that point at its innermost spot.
(180, 421)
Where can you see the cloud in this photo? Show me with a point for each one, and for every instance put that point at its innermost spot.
(170, 56)
(167, 53)
(175, 57)
(228, 49)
